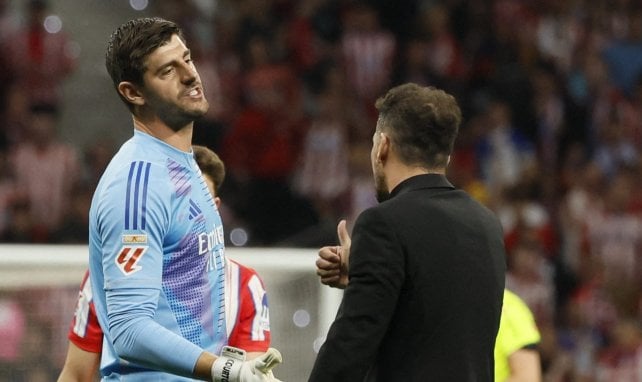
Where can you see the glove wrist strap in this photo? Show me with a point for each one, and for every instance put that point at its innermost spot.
(227, 367)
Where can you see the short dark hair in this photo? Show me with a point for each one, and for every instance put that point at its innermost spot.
(131, 43)
(210, 164)
(423, 123)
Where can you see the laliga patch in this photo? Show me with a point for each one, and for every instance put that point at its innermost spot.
(128, 258)
(134, 239)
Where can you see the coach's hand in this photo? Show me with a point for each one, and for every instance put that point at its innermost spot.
(333, 261)
(231, 366)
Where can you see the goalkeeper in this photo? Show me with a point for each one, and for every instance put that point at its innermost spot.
(246, 309)
(156, 248)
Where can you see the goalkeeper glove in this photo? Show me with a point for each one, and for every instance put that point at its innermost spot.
(231, 366)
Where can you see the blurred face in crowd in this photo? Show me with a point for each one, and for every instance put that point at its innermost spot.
(42, 128)
(172, 88)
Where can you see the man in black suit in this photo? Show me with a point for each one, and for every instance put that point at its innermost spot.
(424, 285)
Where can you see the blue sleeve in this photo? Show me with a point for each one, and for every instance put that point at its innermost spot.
(134, 218)
(140, 339)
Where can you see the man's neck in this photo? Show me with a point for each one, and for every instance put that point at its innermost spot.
(181, 139)
(397, 173)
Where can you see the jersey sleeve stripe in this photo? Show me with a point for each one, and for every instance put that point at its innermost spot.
(258, 294)
(129, 185)
(139, 173)
(82, 314)
(144, 202)
(136, 196)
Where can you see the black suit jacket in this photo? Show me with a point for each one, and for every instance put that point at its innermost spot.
(425, 292)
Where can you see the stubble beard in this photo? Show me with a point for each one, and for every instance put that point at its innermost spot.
(176, 115)
(381, 188)
(181, 117)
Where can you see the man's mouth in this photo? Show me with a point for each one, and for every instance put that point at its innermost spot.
(195, 92)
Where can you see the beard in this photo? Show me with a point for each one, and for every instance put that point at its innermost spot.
(380, 188)
(175, 115)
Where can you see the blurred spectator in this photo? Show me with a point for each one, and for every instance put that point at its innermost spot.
(621, 361)
(589, 91)
(629, 113)
(262, 147)
(227, 58)
(41, 55)
(14, 117)
(194, 17)
(368, 51)
(614, 149)
(623, 54)
(95, 160)
(7, 20)
(524, 215)
(463, 170)
(413, 65)
(593, 301)
(6, 29)
(8, 192)
(305, 41)
(442, 52)
(74, 226)
(613, 237)
(584, 183)
(503, 151)
(46, 170)
(323, 175)
(580, 334)
(558, 31)
(529, 276)
(515, 55)
(550, 112)
(21, 227)
(323, 172)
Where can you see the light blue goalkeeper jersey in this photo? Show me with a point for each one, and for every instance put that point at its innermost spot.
(156, 255)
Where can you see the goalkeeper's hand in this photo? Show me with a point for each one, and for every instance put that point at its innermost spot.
(231, 366)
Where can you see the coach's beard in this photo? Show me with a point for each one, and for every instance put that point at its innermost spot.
(381, 188)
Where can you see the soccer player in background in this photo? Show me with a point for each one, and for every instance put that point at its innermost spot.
(156, 248)
(246, 309)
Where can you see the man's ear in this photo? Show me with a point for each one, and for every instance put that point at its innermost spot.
(383, 150)
(131, 93)
(217, 201)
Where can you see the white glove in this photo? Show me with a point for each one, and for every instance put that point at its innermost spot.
(231, 366)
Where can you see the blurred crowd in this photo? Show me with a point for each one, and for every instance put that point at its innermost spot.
(551, 93)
